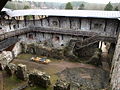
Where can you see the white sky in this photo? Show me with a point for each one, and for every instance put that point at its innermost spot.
(91, 1)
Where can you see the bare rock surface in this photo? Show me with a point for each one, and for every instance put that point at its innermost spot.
(85, 78)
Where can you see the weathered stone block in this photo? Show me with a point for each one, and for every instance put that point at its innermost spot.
(5, 58)
(10, 69)
(39, 78)
(62, 85)
(21, 72)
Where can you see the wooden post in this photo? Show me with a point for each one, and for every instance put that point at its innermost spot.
(33, 19)
(25, 21)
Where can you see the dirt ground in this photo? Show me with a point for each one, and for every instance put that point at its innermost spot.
(1, 81)
(53, 68)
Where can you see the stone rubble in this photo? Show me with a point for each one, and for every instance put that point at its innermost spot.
(5, 58)
(62, 85)
(39, 78)
(10, 69)
(21, 72)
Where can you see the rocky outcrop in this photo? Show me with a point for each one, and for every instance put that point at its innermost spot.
(85, 78)
(39, 78)
(62, 85)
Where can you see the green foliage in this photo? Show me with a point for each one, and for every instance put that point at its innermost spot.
(26, 7)
(108, 7)
(81, 7)
(116, 8)
(68, 6)
(16, 5)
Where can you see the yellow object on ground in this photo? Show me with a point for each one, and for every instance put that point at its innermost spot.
(42, 60)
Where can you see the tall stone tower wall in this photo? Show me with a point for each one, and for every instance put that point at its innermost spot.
(115, 70)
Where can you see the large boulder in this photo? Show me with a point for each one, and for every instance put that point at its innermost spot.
(39, 78)
(62, 85)
(21, 72)
(5, 58)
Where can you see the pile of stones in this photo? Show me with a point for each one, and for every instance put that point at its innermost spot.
(10, 69)
(62, 85)
(39, 78)
(5, 58)
(34, 78)
(21, 72)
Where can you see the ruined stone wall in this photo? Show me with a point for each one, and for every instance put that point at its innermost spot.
(98, 25)
(110, 26)
(50, 40)
(7, 56)
(85, 24)
(115, 70)
(17, 49)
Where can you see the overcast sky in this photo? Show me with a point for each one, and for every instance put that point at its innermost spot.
(92, 1)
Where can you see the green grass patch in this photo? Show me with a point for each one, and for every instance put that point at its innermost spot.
(25, 56)
(12, 82)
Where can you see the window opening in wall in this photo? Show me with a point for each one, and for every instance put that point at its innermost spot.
(14, 26)
(55, 23)
(97, 25)
(56, 38)
(30, 36)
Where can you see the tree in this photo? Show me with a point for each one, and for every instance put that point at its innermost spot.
(81, 7)
(116, 8)
(26, 7)
(68, 6)
(108, 7)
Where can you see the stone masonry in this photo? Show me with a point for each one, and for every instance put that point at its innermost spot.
(115, 70)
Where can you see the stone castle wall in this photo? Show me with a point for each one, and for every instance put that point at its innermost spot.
(115, 70)
(7, 56)
(110, 26)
